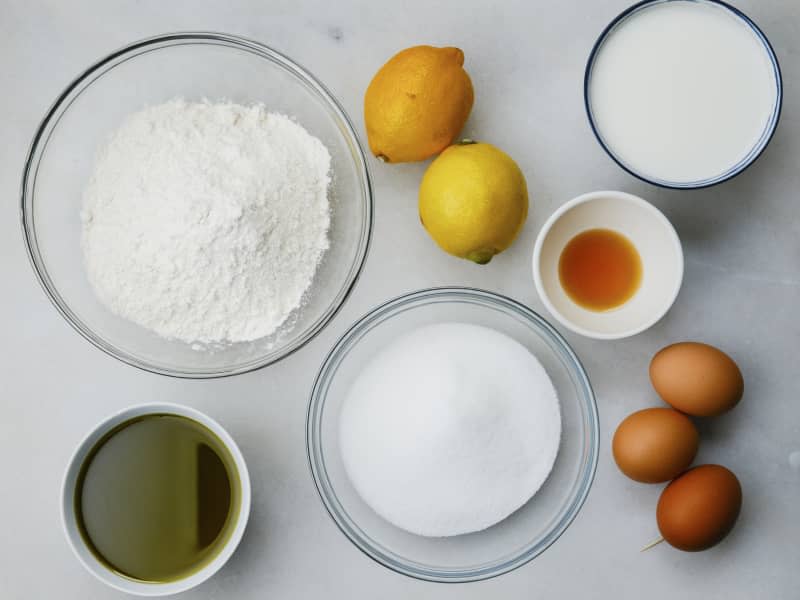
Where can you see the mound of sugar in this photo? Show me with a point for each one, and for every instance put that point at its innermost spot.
(450, 429)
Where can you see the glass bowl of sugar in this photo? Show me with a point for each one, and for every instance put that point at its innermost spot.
(196, 205)
(380, 523)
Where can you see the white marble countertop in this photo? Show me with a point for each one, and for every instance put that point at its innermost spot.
(526, 59)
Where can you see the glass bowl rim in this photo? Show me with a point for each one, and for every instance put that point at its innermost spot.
(758, 147)
(316, 463)
(97, 69)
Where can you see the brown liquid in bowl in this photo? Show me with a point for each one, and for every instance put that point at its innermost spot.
(600, 269)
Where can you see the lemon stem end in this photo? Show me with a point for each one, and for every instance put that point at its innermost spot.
(480, 257)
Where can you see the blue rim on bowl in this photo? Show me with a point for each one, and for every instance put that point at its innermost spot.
(321, 462)
(733, 171)
(149, 47)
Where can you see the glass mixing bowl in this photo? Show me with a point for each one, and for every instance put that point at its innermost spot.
(193, 66)
(524, 534)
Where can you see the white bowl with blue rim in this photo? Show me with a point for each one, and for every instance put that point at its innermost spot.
(683, 94)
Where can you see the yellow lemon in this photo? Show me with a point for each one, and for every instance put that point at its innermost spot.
(417, 103)
(473, 201)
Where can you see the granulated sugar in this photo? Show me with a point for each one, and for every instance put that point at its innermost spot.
(450, 429)
(205, 222)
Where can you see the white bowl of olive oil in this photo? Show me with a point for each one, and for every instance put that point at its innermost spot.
(608, 265)
(155, 499)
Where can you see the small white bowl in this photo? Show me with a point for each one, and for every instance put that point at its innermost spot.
(69, 520)
(646, 227)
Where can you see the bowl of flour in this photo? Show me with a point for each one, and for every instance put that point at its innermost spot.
(197, 205)
(452, 434)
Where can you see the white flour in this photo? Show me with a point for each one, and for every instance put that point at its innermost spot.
(450, 429)
(205, 222)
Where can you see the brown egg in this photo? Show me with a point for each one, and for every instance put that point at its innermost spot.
(655, 444)
(696, 378)
(699, 508)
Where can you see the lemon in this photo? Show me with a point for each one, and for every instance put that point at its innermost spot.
(473, 201)
(417, 103)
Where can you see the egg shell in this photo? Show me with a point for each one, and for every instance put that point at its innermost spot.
(655, 444)
(699, 508)
(696, 378)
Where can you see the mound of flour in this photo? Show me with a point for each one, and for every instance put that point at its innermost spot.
(205, 222)
(450, 429)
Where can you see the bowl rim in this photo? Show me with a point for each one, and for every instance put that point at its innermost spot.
(590, 197)
(758, 147)
(316, 460)
(85, 79)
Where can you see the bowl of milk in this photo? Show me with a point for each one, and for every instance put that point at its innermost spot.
(683, 93)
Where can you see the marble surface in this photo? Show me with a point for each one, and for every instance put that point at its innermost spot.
(526, 58)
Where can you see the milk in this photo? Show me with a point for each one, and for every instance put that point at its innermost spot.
(682, 91)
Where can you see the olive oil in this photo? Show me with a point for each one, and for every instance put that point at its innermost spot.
(600, 269)
(157, 498)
